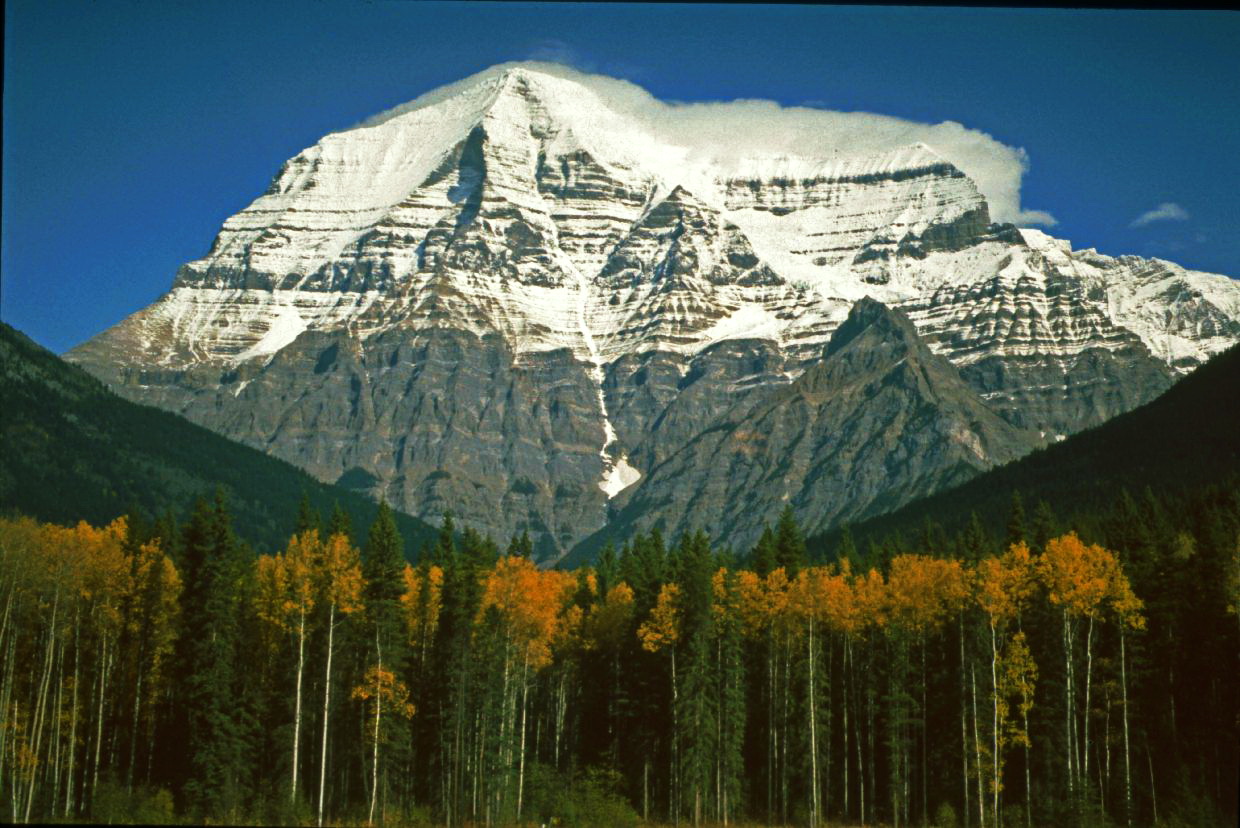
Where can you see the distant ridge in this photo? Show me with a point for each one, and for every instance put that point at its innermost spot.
(1186, 438)
(72, 450)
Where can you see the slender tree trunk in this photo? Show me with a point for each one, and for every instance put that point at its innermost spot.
(860, 757)
(77, 657)
(770, 725)
(103, 684)
(1149, 761)
(40, 707)
(10, 661)
(977, 749)
(925, 794)
(1028, 776)
(847, 681)
(646, 790)
(133, 733)
(813, 733)
(964, 728)
(301, 660)
(994, 684)
(327, 695)
(1067, 703)
(1089, 671)
(783, 762)
(374, 785)
(1123, 683)
(525, 693)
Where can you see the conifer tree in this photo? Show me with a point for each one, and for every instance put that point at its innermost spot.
(790, 550)
(214, 736)
(339, 524)
(762, 559)
(1016, 530)
(308, 517)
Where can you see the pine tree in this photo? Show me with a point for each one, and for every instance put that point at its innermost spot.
(790, 550)
(215, 569)
(762, 558)
(1016, 521)
(307, 517)
(520, 546)
(339, 524)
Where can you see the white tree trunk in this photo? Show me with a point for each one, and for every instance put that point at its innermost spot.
(301, 660)
(813, 733)
(1123, 683)
(525, 693)
(327, 694)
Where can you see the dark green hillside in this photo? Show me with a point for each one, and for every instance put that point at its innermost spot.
(71, 450)
(1187, 438)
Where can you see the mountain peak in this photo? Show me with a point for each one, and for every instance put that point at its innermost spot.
(870, 314)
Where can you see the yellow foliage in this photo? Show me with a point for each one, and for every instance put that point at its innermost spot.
(422, 601)
(923, 592)
(530, 601)
(1004, 584)
(340, 574)
(386, 692)
(662, 628)
(1085, 580)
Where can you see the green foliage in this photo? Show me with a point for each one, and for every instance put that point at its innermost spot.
(945, 816)
(115, 805)
(593, 799)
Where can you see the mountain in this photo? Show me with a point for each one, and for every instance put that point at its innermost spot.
(516, 298)
(877, 421)
(1184, 440)
(71, 450)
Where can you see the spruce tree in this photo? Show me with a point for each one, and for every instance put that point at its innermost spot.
(520, 546)
(847, 550)
(789, 543)
(762, 557)
(214, 727)
(1016, 531)
(607, 568)
(340, 523)
(307, 517)
(1045, 524)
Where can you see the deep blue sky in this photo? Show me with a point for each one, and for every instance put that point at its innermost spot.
(133, 129)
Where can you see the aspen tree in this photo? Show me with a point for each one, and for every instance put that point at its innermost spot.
(340, 584)
(1003, 586)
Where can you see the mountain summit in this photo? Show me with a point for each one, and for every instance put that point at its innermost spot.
(519, 295)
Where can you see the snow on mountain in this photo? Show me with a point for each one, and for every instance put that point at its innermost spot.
(556, 213)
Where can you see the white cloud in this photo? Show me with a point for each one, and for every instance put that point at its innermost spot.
(727, 132)
(1167, 211)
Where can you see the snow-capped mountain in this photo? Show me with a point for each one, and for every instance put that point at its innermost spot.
(514, 300)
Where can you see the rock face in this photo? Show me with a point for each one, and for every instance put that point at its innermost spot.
(877, 421)
(509, 300)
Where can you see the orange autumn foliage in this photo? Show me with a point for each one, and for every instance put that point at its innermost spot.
(923, 592)
(1087, 579)
(530, 602)
(662, 628)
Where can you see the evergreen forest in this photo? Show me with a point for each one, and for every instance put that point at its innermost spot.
(1044, 674)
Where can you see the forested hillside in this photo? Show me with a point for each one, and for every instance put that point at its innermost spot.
(157, 672)
(1185, 438)
(71, 450)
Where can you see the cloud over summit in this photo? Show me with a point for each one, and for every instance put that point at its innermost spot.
(728, 132)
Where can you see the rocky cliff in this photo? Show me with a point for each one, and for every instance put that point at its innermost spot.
(511, 300)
